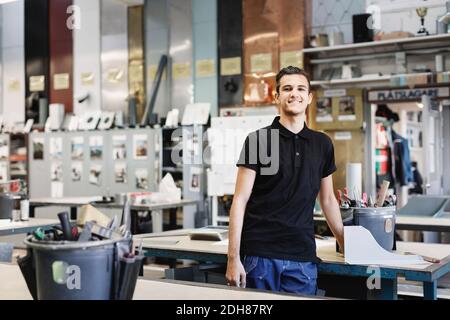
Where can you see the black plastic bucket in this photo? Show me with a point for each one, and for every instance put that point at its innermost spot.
(74, 271)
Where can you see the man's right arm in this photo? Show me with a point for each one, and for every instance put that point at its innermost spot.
(244, 184)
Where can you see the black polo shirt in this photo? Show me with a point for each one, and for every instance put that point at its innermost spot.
(278, 220)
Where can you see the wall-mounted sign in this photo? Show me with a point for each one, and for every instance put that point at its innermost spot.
(115, 75)
(87, 78)
(291, 58)
(13, 85)
(335, 93)
(181, 70)
(230, 66)
(136, 71)
(261, 62)
(37, 83)
(402, 95)
(343, 135)
(205, 68)
(152, 73)
(61, 81)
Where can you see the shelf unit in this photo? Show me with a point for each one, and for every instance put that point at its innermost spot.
(14, 157)
(385, 46)
(401, 51)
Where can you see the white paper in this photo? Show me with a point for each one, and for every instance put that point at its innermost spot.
(3, 171)
(353, 179)
(119, 147)
(168, 190)
(56, 172)
(120, 173)
(196, 113)
(140, 146)
(77, 148)
(77, 171)
(38, 148)
(57, 189)
(4, 149)
(96, 147)
(28, 126)
(172, 118)
(195, 179)
(215, 183)
(56, 148)
(141, 176)
(95, 174)
(362, 248)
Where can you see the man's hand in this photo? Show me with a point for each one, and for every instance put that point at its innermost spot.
(235, 273)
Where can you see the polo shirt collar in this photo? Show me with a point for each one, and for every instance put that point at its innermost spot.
(304, 133)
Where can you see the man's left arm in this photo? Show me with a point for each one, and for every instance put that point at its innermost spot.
(330, 208)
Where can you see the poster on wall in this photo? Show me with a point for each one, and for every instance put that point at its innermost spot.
(347, 111)
(140, 146)
(95, 175)
(56, 172)
(57, 189)
(4, 149)
(119, 147)
(96, 147)
(56, 148)
(77, 148)
(3, 171)
(38, 149)
(194, 179)
(324, 110)
(120, 173)
(77, 171)
(141, 178)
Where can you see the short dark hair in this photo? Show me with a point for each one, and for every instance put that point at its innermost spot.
(292, 70)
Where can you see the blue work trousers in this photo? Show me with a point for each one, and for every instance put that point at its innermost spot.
(281, 275)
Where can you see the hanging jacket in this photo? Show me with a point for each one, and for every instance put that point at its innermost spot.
(403, 170)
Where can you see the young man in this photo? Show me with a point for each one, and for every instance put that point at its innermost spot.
(271, 220)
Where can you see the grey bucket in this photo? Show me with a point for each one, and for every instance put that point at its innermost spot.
(380, 222)
(74, 271)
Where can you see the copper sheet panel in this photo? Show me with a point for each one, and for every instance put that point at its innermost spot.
(136, 81)
(292, 30)
(61, 52)
(269, 27)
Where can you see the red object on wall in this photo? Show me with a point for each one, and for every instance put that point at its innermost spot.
(61, 52)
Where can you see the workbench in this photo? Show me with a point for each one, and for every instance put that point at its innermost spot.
(75, 202)
(416, 223)
(17, 227)
(15, 288)
(181, 247)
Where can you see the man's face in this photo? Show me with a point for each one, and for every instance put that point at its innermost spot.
(294, 96)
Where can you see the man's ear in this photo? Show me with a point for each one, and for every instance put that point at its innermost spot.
(277, 96)
(310, 97)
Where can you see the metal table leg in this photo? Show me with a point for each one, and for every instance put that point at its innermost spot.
(388, 291)
(32, 211)
(73, 213)
(430, 290)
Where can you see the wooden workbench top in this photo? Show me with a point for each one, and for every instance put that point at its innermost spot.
(14, 288)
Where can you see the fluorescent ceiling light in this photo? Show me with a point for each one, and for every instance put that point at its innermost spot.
(6, 1)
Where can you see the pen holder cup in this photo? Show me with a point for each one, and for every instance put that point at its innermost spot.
(379, 221)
